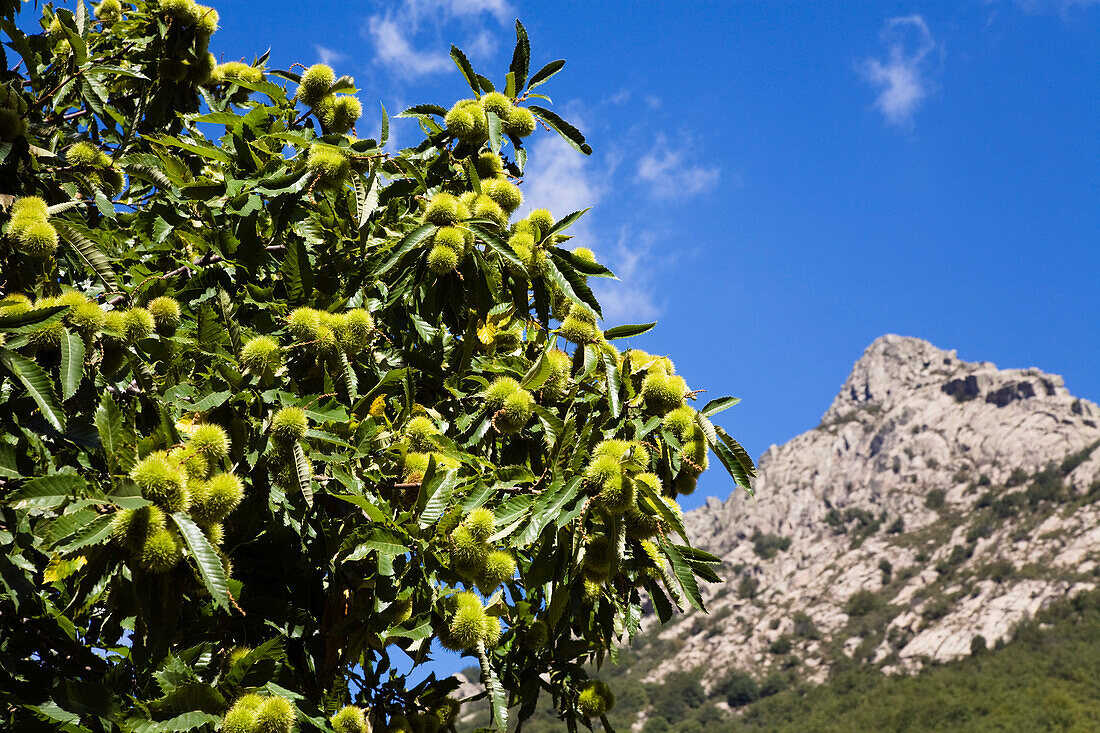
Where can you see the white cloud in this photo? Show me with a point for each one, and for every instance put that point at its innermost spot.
(394, 49)
(668, 176)
(902, 77)
(632, 298)
(558, 178)
(396, 31)
(329, 56)
(562, 180)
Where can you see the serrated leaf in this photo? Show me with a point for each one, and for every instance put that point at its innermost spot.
(31, 320)
(611, 370)
(626, 331)
(718, 404)
(93, 533)
(303, 472)
(538, 374)
(496, 692)
(72, 364)
(179, 724)
(38, 385)
(498, 244)
(467, 70)
(207, 559)
(569, 133)
(409, 242)
(566, 221)
(572, 284)
(494, 132)
(521, 57)
(424, 109)
(668, 514)
(88, 253)
(684, 574)
(582, 265)
(46, 492)
(543, 74)
(548, 507)
(438, 499)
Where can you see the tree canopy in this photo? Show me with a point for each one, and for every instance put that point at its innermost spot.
(278, 404)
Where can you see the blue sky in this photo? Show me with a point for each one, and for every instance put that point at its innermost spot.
(780, 183)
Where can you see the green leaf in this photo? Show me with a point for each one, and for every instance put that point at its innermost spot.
(409, 242)
(38, 386)
(72, 364)
(626, 331)
(93, 533)
(545, 73)
(374, 513)
(548, 507)
(47, 492)
(538, 374)
(580, 264)
(436, 497)
(613, 383)
(385, 127)
(740, 455)
(31, 320)
(494, 132)
(297, 272)
(668, 514)
(303, 472)
(467, 71)
(496, 691)
(179, 724)
(393, 375)
(569, 133)
(498, 244)
(718, 404)
(88, 253)
(207, 559)
(684, 574)
(424, 109)
(572, 284)
(521, 57)
(566, 221)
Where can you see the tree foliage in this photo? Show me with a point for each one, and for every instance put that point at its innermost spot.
(277, 405)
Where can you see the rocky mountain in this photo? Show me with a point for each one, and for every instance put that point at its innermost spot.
(938, 504)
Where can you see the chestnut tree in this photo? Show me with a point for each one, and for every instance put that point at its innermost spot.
(283, 411)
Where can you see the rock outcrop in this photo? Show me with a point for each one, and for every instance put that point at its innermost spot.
(938, 501)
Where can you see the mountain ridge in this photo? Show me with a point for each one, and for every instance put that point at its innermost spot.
(909, 420)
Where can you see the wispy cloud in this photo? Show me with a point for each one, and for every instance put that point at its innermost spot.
(664, 170)
(632, 298)
(563, 181)
(329, 56)
(902, 77)
(397, 32)
(1062, 6)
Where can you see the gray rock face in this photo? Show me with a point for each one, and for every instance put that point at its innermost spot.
(956, 493)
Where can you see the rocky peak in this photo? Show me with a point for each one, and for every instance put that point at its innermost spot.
(960, 496)
(895, 366)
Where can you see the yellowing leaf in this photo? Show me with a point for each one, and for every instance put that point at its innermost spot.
(61, 568)
(487, 332)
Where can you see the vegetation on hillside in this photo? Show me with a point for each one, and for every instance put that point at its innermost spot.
(1043, 679)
